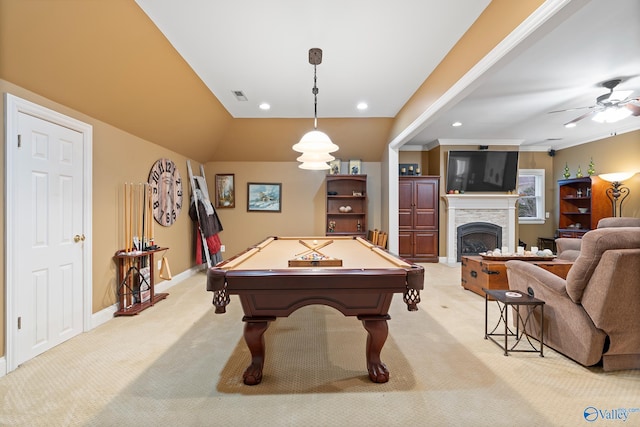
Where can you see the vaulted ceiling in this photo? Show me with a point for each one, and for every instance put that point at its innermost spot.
(166, 71)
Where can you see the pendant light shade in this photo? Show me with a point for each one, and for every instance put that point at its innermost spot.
(315, 141)
(315, 145)
(315, 157)
(314, 166)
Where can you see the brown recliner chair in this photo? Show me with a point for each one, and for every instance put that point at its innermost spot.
(592, 315)
(569, 248)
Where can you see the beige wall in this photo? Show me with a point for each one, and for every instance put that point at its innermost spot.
(529, 233)
(303, 202)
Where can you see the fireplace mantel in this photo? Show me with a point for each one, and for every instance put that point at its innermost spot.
(498, 209)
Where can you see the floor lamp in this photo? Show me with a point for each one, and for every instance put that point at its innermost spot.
(617, 192)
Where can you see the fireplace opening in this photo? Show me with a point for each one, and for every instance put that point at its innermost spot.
(476, 237)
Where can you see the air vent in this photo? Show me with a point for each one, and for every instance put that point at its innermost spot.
(239, 95)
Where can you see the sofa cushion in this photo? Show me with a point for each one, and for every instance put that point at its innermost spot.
(594, 244)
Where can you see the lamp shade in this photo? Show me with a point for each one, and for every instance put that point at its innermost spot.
(616, 177)
(315, 142)
(315, 157)
(314, 165)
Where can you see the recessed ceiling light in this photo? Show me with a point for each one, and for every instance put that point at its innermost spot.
(456, 124)
(362, 106)
(265, 106)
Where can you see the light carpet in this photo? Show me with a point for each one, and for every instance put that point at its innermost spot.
(178, 363)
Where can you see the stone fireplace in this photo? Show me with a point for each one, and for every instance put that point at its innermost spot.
(476, 237)
(496, 209)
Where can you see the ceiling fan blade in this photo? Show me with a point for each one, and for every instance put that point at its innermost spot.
(633, 105)
(584, 116)
(571, 109)
(635, 109)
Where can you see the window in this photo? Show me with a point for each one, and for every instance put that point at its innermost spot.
(531, 201)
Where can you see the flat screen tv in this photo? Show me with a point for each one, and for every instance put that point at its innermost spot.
(482, 171)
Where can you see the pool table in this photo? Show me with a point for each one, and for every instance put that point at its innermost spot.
(268, 287)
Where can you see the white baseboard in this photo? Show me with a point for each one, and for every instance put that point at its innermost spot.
(3, 366)
(106, 314)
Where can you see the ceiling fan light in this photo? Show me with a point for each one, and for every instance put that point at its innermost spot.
(315, 141)
(611, 115)
(314, 165)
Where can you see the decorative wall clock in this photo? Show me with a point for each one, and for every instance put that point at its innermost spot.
(166, 191)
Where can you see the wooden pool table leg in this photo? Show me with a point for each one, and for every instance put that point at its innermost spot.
(254, 330)
(378, 331)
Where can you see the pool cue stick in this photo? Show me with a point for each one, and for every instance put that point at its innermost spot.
(303, 243)
(130, 244)
(314, 248)
(124, 217)
(139, 215)
(151, 214)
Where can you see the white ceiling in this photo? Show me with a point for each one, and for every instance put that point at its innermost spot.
(380, 52)
(375, 51)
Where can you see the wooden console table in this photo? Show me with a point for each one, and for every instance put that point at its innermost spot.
(136, 291)
(478, 273)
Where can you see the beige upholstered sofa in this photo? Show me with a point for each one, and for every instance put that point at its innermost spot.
(591, 316)
(569, 248)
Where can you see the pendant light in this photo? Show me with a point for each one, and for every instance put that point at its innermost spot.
(315, 145)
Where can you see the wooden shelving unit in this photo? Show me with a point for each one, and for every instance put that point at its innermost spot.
(582, 203)
(346, 191)
(136, 289)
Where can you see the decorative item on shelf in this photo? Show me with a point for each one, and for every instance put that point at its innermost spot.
(359, 226)
(592, 169)
(617, 193)
(566, 173)
(315, 145)
(579, 172)
(408, 169)
(579, 192)
(335, 166)
(355, 167)
(332, 226)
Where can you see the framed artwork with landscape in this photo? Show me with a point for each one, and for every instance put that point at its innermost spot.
(225, 191)
(264, 197)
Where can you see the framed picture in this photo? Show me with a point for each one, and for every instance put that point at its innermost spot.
(355, 167)
(264, 197)
(335, 167)
(225, 191)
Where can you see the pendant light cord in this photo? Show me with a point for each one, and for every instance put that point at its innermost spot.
(315, 98)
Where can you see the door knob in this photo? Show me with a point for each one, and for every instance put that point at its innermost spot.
(78, 238)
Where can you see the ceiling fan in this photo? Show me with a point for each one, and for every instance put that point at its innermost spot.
(610, 107)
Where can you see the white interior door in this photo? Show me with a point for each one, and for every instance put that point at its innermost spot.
(46, 214)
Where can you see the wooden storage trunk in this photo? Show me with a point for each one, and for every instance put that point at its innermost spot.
(478, 273)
